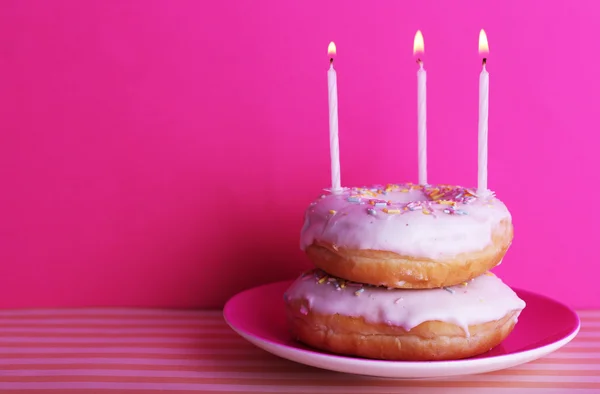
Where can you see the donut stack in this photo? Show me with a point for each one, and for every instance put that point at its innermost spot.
(402, 273)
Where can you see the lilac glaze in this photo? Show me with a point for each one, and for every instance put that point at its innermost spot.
(483, 299)
(428, 222)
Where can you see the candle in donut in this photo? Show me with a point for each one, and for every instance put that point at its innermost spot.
(333, 122)
(419, 48)
(484, 92)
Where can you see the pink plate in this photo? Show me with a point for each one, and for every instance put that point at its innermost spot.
(545, 325)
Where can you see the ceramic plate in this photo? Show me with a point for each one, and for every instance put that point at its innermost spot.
(544, 326)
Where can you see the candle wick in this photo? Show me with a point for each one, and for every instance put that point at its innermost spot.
(419, 62)
(484, 61)
(331, 61)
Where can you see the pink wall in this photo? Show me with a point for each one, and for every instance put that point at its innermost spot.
(163, 152)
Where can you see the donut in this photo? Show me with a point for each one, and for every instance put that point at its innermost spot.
(407, 236)
(348, 318)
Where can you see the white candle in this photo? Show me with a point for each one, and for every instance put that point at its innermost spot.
(484, 91)
(333, 123)
(421, 110)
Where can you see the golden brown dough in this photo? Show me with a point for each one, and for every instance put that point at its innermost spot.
(383, 268)
(431, 340)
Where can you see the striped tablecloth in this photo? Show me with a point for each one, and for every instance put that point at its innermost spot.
(139, 350)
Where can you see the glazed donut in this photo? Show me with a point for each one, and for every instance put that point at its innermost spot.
(348, 318)
(407, 236)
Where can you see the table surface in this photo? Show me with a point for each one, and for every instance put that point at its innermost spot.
(138, 350)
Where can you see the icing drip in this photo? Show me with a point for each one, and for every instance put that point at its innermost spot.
(483, 299)
(414, 220)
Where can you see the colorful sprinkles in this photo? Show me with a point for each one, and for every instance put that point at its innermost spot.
(339, 284)
(444, 199)
(322, 278)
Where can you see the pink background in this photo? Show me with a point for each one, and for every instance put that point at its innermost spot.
(163, 152)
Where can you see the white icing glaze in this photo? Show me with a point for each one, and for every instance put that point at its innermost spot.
(447, 220)
(483, 299)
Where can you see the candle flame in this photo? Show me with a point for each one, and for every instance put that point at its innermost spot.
(331, 50)
(483, 43)
(419, 44)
